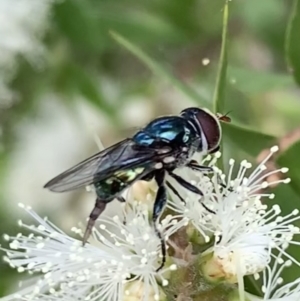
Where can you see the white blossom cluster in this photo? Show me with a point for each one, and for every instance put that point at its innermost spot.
(236, 218)
(22, 25)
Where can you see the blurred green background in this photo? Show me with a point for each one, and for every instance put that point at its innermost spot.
(64, 79)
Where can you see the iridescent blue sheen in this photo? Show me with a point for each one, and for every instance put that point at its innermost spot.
(168, 129)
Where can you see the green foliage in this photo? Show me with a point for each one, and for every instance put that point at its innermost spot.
(220, 87)
(252, 82)
(219, 94)
(293, 42)
(291, 158)
(253, 141)
(158, 69)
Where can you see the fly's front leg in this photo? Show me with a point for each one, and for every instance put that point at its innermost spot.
(216, 149)
(159, 204)
(193, 164)
(206, 170)
(98, 209)
(189, 187)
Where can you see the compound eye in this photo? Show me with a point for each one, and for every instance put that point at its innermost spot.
(210, 127)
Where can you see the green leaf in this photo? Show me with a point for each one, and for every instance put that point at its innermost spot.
(253, 286)
(90, 90)
(139, 24)
(247, 139)
(291, 159)
(252, 82)
(78, 22)
(293, 41)
(219, 93)
(158, 69)
(74, 79)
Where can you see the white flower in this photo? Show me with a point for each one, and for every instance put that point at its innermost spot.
(272, 284)
(22, 24)
(245, 230)
(121, 253)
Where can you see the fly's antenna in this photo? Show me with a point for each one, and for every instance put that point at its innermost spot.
(224, 117)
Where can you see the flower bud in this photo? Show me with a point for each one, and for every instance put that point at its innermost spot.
(217, 269)
(135, 291)
(229, 264)
(143, 192)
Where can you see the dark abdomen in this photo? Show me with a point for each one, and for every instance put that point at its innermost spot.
(109, 188)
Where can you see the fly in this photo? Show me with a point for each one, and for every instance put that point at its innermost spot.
(153, 152)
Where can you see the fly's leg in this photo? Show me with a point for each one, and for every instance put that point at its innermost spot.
(148, 177)
(189, 187)
(159, 204)
(206, 169)
(121, 199)
(175, 191)
(193, 164)
(185, 183)
(216, 149)
(98, 209)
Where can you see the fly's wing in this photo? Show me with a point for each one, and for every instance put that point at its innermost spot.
(101, 165)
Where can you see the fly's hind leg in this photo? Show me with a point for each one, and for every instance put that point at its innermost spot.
(122, 200)
(98, 209)
(159, 204)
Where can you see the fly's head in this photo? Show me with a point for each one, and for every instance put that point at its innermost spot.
(207, 128)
